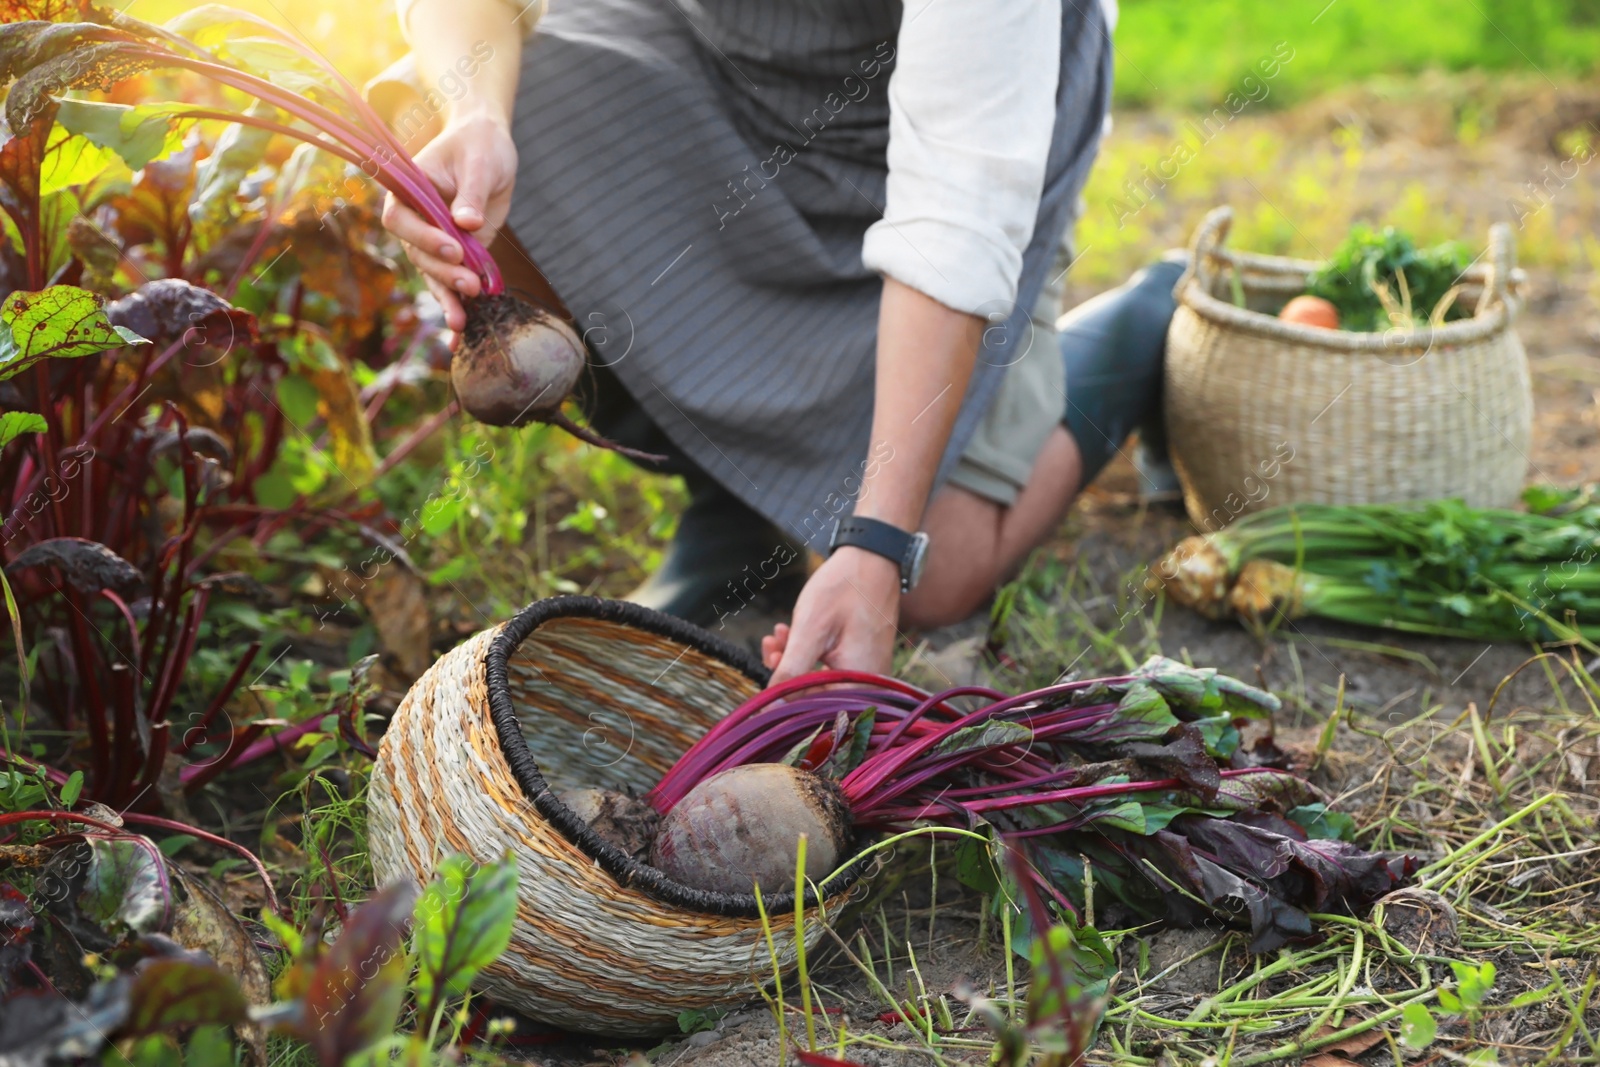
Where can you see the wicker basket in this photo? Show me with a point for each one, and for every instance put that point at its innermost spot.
(1262, 412)
(575, 691)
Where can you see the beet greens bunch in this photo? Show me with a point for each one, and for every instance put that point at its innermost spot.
(1134, 775)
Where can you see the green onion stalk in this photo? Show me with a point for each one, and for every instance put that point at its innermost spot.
(1440, 568)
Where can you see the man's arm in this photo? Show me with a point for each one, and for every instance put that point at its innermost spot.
(848, 612)
(444, 34)
(473, 160)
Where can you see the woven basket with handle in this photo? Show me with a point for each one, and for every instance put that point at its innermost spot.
(576, 692)
(1262, 412)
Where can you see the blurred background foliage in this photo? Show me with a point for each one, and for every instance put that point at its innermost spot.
(1180, 53)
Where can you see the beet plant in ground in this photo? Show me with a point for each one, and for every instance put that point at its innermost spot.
(1141, 777)
(137, 481)
(147, 966)
(517, 363)
(116, 517)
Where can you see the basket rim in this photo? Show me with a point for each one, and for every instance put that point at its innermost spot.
(1480, 327)
(628, 872)
(1495, 269)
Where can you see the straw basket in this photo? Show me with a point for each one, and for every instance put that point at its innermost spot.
(1262, 412)
(571, 692)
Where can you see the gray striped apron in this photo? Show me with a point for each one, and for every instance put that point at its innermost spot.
(695, 179)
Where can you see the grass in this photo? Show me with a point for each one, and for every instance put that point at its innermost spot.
(1496, 801)
(1172, 52)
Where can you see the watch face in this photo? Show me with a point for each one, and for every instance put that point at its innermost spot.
(919, 556)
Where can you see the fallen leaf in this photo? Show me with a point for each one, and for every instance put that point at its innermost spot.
(1341, 1053)
(394, 599)
(202, 922)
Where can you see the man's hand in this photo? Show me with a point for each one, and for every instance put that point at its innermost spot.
(474, 164)
(845, 618)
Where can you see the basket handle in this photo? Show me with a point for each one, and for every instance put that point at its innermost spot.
(1208, 238)
(1503, 277)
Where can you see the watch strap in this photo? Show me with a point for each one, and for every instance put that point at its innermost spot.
(880, 538)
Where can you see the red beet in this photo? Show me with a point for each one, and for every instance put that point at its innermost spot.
(517, 363)
(743, 826)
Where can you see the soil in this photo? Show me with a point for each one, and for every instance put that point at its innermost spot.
(1386, 678)
(627, 822)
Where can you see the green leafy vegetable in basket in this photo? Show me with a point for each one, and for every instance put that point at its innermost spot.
(1439, 568)
(1379, 279)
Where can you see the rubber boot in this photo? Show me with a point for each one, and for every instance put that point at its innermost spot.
(724, 558)
(1114, 347)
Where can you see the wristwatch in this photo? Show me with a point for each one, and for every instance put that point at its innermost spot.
(908, 550)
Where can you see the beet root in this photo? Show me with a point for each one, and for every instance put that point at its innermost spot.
(742, 827)
(627, 822)
(516, 364)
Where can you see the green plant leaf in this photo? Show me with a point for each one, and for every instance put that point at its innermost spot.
(1319, 822)
(139, 134)
(976, 866)
(694, 1020)
(13, 424)
(126, 884)
(1417, 1027)
(239, 150)
(210, 1046)
(71, 789)
(1473, 983)
(1067, 995)
(298, 398)
(983, 735)
(462, 924)
(71, 161)
(61, 322)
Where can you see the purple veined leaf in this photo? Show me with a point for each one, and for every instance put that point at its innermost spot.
(1315, 875)
(26, 44)
(61, 322)
(181, 991)
(846, 758)
(975, 738)
(463, 924)
(355, 992)
(126, 885)
(170, 309)
(16, 923)
(88, 566)
(1181, 755)
(1194, 886)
